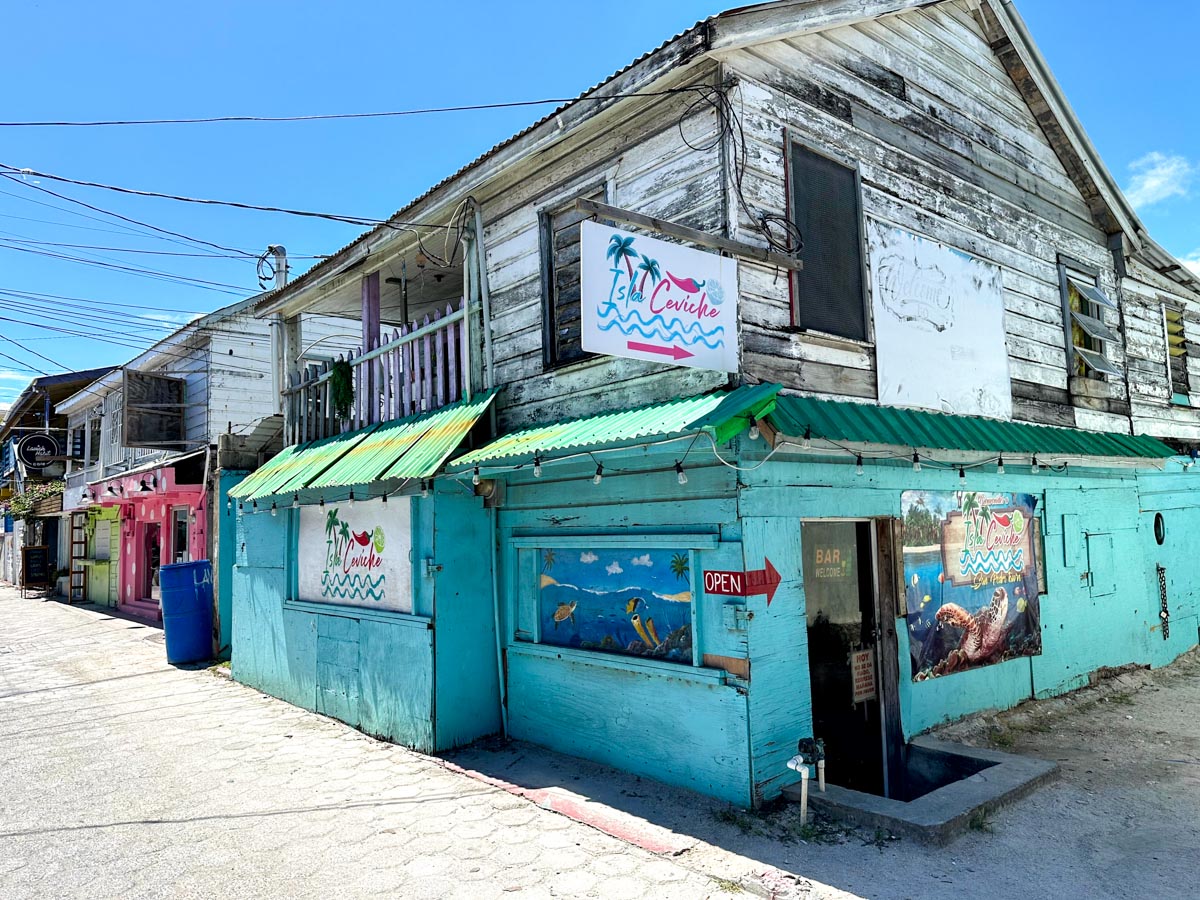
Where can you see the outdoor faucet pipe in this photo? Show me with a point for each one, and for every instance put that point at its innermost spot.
(796, 763)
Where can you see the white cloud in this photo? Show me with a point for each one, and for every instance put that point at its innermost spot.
(588, 557)
(614, 568)
(1157, 177)
(7, 375)
(1192, 261)
(642, 560)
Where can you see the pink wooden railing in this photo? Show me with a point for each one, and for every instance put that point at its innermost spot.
(419, 367)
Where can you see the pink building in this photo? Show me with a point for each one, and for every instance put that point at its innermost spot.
(163, 520)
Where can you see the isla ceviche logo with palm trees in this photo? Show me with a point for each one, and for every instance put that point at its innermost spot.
(649, 299)
(971, 561)
(356, 556)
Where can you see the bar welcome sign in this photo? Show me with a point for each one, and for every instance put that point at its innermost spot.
(644, 298)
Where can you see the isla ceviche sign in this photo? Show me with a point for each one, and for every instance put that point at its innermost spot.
(357, 556)
(646, 299)
(970, 564)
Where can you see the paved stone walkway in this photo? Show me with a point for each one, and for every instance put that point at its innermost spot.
(121, 776)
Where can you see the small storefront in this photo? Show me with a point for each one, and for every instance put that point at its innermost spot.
(161, 513)
(102, 532)
(362, 591)
(685, 601)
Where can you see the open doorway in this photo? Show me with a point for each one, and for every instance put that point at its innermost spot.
(854, 705)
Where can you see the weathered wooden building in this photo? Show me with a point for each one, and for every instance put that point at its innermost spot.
(140, 477)
(956, 356)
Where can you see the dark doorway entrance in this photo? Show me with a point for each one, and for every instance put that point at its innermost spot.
(843, 652)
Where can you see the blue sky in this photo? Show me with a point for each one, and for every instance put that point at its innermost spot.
(1130, 79)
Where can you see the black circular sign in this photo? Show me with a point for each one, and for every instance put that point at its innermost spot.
(37, 451)
(1160, 528)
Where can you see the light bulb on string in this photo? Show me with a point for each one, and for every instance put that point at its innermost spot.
(807, 442)
(1000, 466)
(599, 476)
(680, 475)
(351, 501)
(754, 432)
(858, 465)
(537, 467)
(424, 488)
(274, 508)
(475, 476)
(1034, 468)
(962, 475)
(916, 462)
(295, 501)
(322, 503)
(384, 497)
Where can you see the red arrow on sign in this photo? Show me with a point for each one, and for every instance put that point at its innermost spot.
(744, 584)
(674, 352)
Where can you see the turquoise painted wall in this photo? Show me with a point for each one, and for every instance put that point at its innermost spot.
(1101, 608)
(376, 670)
(675, 723)
(225, 531)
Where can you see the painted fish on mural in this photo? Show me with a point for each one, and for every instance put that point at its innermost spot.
(625, 601)
(960, 548)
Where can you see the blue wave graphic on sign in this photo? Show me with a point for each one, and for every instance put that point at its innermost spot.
(353, 587)
(658, 327)
(992, 561)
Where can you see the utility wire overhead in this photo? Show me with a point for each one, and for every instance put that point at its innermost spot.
(11, 172)
(16, 179)
(319, 117)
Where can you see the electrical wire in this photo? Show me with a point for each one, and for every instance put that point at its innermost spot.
(11, 172)
(106, 212)
(240, 258)
(219, 287)
(474, 107)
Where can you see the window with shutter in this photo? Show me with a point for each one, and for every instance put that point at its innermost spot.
(1177, 354)
(561, 310)
(827, 210)
(1088, 335)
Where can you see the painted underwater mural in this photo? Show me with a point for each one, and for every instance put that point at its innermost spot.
(630, 601)
(970, 568)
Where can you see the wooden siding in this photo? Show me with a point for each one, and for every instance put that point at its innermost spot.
(647, 167)
(947, 148)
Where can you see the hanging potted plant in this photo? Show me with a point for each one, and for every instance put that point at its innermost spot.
(341, 388)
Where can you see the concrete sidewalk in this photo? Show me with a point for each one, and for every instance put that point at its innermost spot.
(124, 777)
(121, 776)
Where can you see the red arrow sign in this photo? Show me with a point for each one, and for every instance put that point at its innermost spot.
(674, 352)
(744, 584)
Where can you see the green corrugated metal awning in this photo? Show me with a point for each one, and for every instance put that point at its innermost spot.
(724, 413)
(864, 423)
(404, 449)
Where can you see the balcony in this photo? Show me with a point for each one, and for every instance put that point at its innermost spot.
(422, 366)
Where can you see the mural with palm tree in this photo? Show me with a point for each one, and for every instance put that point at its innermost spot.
(680, 565)
(547, 561)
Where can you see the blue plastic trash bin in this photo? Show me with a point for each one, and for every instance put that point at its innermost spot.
(187, 598)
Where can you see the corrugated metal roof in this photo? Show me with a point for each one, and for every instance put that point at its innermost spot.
(406, 448)
(680, 416)
(414, 447)
(868, 424)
